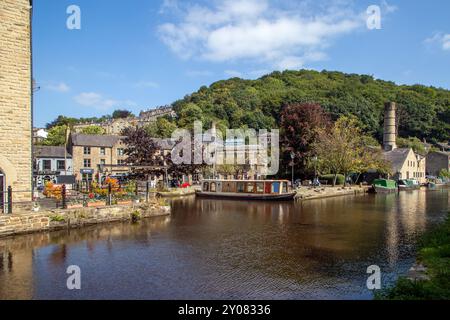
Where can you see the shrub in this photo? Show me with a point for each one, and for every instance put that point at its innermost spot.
(329, 178)
(57, 218)
(135, 216)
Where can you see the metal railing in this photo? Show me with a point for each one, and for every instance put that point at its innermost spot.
(77, 195)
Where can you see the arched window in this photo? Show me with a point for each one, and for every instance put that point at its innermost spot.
(205, 186)
(213, 187)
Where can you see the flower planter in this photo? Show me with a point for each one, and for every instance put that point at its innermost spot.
(96, 204)
(74, 206)
(121, 203)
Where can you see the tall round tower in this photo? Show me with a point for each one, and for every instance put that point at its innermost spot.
(390, 127)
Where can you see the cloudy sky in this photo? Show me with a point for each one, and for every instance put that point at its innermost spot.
(139, 54)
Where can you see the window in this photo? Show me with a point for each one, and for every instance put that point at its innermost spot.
(102, 162)
(120, 152)
(240, 187)
(206, 186)
(213, 187)
(250, 187)
(87, 150)
(87, 177)
(275, 187)
(47, 164)
(61, 164)
(260, 187)
(103, 151)
(87, 163)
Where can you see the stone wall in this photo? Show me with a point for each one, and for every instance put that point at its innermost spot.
(73, 218)
(437, 161)
(15, 96)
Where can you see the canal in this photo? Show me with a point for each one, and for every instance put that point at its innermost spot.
(214, 249)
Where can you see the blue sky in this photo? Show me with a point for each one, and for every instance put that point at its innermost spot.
(139, 54)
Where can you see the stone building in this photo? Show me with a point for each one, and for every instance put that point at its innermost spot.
(15, 99)
(405, 163)
(116, 126)
(95, 156)
(436, 162)
(51, 163)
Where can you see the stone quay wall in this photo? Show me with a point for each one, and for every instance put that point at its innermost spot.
(16, 224)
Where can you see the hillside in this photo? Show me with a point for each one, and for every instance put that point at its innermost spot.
(424, 112)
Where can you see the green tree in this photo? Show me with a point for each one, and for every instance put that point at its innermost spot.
(122, 114)
(412, 142)
(189, 114)
(341, 149)
(93, 130)
(56, 136)
(444, 174)
(161, 128)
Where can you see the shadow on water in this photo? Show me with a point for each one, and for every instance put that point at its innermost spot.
(318, 249)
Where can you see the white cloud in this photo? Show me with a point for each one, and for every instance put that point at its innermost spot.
(97, 101)
(254, 30)
(234, 73)
(388, 8)
(146, 84)
(440, 39)
(60, 87)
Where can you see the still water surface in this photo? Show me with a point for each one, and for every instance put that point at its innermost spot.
(215, 249)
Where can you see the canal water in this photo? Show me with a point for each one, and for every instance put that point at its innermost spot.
(214, 249)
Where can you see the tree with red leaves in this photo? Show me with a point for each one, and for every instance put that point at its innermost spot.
(143, 152)
(300, 123)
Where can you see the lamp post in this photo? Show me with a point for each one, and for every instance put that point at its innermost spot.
(292, 164)
(315, 167)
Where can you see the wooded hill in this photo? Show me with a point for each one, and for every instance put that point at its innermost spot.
(424, 112)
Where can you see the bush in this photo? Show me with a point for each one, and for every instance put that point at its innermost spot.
(434, 253)
(329, 178)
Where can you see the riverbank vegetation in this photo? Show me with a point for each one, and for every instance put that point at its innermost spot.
(434, 254)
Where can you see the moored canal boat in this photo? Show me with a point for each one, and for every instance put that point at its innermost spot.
(384, 186)
(408, 184)
(269, 190)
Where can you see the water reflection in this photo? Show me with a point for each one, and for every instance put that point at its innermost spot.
(228, 249)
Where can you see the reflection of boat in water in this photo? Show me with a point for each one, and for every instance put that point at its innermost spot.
(408, 184)
(436, 183)
(271, 190)
(384, 186)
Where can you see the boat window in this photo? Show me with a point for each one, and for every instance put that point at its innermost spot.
(250, 187)
(268, 189)
(285, 187)
(240, 187)
(260, 187)
(213, 187)
(276, 187)
(206, 186)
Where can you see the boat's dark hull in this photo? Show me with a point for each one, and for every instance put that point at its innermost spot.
(384, 190)
(237, 196)
(408, 188)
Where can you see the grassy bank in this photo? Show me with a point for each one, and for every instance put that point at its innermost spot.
(434, 254)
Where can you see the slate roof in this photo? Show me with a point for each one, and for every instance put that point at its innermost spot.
(87, 140)
(50, 152)
(397, 157)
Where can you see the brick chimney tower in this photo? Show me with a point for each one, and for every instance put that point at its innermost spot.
(390, 127)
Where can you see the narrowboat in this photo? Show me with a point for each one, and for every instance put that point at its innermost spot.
(384, 186)
(274, 190)
(408, 184)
